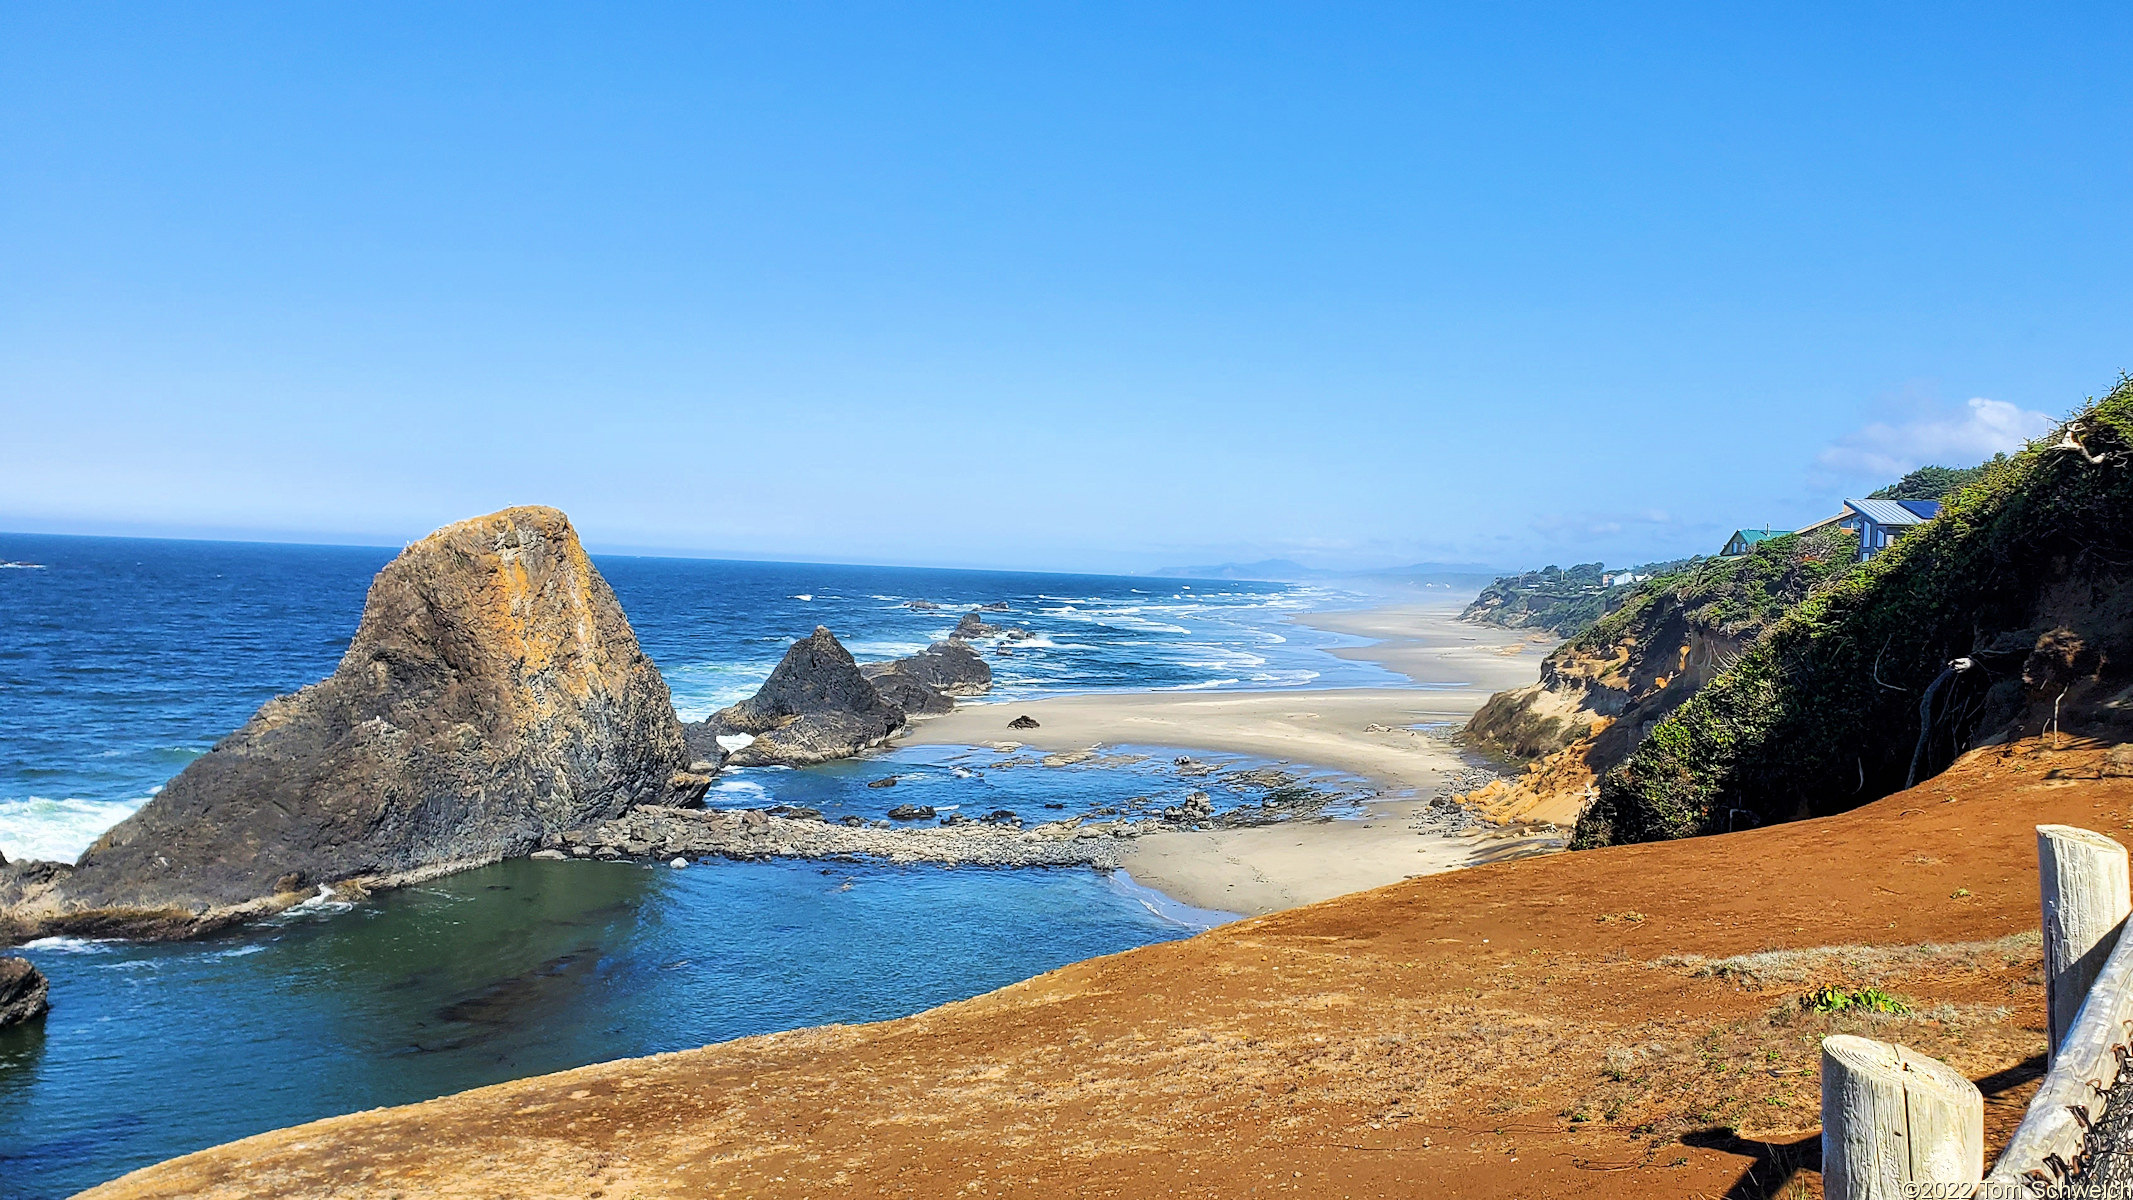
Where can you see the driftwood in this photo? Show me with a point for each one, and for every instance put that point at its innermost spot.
(1892, 1117)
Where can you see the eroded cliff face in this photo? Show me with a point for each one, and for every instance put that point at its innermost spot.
(1596, 699)
(1601, 693)
(494, 694)
(2009, 615)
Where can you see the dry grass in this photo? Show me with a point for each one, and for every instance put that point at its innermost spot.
(1876, 966)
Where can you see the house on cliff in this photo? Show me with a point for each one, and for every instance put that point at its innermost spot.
(1744, 540)
(1880, 522)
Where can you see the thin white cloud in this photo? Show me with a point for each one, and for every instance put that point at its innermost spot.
(1985, 428)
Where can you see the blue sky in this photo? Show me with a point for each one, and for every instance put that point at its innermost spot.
(1074, 286)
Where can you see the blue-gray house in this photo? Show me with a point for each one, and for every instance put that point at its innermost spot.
(1880, 522)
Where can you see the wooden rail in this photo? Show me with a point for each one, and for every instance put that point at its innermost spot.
(1896, 1124)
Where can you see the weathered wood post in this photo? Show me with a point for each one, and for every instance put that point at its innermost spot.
(1891, 1116)
(2083, 881)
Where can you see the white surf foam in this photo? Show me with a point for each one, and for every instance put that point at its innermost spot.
(70, 945)
(39, 827)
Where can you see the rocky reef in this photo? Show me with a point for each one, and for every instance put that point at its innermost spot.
(816, 706)
(665, 834)
(949, 667)
(493, 695)
(23, 992)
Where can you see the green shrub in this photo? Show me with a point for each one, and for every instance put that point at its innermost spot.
(1821, 713)
(1870, 999)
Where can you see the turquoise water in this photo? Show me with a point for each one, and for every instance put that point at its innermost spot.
(513, 970)
(121, 660)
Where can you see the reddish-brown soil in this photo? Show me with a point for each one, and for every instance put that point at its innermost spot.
(1533, 1028)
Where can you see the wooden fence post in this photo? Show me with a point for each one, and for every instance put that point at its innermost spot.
(2083, 884)
(1891, 1116)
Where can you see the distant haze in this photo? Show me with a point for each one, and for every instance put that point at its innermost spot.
(1099, 287)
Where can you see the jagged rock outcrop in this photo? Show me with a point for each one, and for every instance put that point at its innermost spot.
(493, 694)
(914, 697)
(816, 706)
(23, 991)
(973, 626)
(949, 667)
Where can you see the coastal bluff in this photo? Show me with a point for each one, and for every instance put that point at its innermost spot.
(494, 694)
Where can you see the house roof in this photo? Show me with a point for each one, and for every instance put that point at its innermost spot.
(1895, 512)
(1752, 536)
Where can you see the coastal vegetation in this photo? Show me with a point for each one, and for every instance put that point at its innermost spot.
(1559, 600)
(1601, 693)
(1932, 483)
(2009, 615)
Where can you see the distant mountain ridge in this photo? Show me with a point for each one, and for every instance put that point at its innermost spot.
(1282, 570)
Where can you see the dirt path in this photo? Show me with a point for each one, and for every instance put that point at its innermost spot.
(1545, 1027)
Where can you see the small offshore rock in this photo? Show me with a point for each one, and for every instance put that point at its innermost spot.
(679, 863)
(24, 994)
(817, 705)
(884, 783)
(911, 812)
(922, 606)
(995, 606)
(549, 855)
(1023, 722)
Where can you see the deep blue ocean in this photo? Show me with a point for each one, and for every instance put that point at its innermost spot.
(122, 659)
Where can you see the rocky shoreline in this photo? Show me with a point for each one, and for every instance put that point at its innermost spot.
(494, 703)
(998, 839)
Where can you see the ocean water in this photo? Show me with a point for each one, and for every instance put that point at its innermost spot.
(121, 660)
(152, 1050)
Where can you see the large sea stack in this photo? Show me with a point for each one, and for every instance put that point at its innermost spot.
(815, 706)
(494, 694)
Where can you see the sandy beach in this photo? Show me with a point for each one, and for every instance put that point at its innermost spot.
(1367, 732)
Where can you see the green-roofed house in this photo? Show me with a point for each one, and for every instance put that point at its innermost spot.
(1744, 540)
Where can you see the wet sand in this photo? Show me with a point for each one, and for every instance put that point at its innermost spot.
(1368, 732)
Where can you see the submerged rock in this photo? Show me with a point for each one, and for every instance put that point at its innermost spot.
(816, 706)
(493, 694)
(23, 991)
